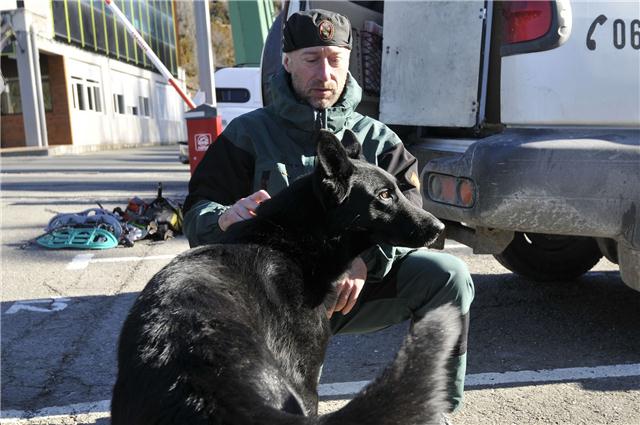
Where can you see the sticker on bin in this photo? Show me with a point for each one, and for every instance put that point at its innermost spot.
(203, 140)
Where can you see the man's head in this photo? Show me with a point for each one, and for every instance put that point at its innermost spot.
(317, 47)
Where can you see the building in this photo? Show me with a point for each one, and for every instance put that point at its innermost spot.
(74, 77)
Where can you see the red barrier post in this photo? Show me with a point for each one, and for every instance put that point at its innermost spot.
(204, 126)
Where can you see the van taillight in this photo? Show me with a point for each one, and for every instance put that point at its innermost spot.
(526, 20)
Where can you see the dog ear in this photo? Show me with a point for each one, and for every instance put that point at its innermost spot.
(352, 145)
(334, 169)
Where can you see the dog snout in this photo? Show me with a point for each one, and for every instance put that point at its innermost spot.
(438, 226)
(433, 229)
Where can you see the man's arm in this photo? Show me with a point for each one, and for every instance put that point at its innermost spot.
(349, 288)
(224, 176)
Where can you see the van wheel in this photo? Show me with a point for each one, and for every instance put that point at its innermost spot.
(549, 257)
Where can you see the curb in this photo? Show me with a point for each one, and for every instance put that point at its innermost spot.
(75, 149)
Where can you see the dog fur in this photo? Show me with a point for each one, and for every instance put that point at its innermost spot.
(235, 333)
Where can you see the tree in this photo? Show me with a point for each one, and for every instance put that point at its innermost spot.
(221, 37)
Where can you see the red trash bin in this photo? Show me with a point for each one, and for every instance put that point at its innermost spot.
(204, 125)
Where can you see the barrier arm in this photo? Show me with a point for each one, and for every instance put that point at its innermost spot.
(150, 54)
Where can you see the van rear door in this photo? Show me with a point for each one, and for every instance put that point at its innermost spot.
(433, 57)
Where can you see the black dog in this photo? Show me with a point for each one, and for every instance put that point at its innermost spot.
(235, 333)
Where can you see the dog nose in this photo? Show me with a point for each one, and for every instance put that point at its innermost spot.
(439, 226)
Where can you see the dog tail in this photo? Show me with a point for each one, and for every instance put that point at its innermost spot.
(412, 389)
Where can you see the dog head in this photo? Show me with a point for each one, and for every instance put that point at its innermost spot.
(364, 198)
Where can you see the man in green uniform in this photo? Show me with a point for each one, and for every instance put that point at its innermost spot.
(261, 152)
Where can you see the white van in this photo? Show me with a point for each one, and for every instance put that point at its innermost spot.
(524, 117)
(238, 91)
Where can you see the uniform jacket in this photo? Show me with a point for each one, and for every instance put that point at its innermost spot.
(270, 147)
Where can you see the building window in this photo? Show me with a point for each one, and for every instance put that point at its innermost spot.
(77, 90)
(118, 104)
(227, 95)
(93, 95)
(90, 98)
(10, 101)
(86, 94)
(97, 97)
(46, 94)
(78, 96)
(91, 25)
(145, 110)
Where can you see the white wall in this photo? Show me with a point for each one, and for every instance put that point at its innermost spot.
(38, 7)
(125, 118)
(165, 124)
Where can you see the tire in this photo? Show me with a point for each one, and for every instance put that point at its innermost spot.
(549, 257)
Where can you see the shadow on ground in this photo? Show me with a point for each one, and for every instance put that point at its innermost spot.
(68, 356)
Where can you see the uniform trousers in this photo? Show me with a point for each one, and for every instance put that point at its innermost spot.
(418, 281)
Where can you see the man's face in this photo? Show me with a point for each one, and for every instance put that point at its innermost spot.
(318, 74)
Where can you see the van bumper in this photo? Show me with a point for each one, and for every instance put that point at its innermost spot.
(563, 182)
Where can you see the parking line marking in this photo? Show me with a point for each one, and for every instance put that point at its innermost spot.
(341, 388)
(82, 261)
(553, 375)
(98, 407)
(519, 377)
(454, 245)
(79, 262)
(352, 388)
(124, 259)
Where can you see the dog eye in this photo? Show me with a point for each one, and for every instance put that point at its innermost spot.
(385, 195)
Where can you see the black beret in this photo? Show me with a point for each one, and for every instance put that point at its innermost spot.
(316, 27)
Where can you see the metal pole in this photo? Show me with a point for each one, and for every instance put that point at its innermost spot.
(205, 53)
(44, 135)
(150, 54)
(27, 77)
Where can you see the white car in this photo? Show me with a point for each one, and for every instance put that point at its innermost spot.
(238, 91)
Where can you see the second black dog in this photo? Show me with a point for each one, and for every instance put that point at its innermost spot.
(235, 333)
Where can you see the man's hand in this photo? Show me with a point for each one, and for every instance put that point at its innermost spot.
(349, 289)
(244, 209)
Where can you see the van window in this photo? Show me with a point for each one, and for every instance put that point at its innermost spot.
(228, 95)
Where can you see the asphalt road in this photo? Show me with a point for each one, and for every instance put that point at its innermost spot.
(552, 353)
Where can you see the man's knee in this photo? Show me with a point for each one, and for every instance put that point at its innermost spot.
(460, 283)
(436, 279)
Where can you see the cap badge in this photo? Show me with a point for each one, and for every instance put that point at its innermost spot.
(326, 30)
